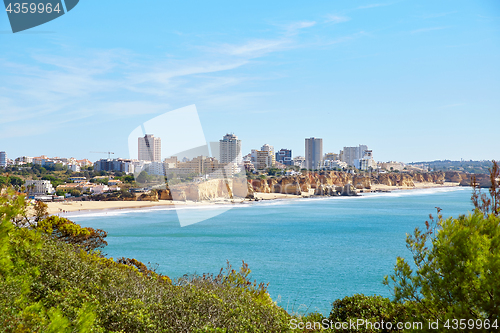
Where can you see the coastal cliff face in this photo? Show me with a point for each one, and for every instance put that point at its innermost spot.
(321, 183)
(481, 179)
(325, 183)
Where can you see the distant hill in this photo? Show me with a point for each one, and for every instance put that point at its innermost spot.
(466, 166)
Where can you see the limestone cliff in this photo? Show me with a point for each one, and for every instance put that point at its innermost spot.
(333, 182)
(323, 183)
(481, 179)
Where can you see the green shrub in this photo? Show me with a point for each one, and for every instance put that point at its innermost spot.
(374, 309)
(49, 283)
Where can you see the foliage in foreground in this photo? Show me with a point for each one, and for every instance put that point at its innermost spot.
(374, 309)
(47, 285)
(456, 265)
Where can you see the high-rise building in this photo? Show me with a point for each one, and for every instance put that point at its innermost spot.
(349, 154)
(284, 156)
(366, 163)
(150, 148)
(314, 153)
(270, 152)
(262, 159)
(3, 159)
(230, 149)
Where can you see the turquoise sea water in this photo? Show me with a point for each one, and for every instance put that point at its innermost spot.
(311, 251)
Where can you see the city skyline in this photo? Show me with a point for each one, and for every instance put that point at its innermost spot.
(416, 81)
(347, 154)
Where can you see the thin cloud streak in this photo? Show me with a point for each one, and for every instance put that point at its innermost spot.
(417, 31)
(436, 15)
(336, 19)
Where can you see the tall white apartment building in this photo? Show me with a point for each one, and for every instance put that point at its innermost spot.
(149, 148)
(367, 162)
(3, 159)
(230, 149)
(314, 153)
(350, 154)
(270, 150)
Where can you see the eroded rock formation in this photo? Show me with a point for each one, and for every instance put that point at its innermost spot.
(330, 183)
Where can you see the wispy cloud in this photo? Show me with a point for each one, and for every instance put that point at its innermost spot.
(336, 19)
(295, 28)
(301, 25)
(68, 86)
(417, 31)
(254, 48)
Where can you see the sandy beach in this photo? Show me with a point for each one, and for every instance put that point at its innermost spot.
(75, 206)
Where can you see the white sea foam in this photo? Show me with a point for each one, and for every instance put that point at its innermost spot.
(415, 192)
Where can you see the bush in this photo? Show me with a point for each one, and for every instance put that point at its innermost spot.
(76, 193)
(456, 264)
(69, 232)
(374, 309)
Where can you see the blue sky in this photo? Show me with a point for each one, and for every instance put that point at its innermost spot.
(413, 80)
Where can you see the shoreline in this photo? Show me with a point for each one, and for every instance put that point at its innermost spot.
(83, 207)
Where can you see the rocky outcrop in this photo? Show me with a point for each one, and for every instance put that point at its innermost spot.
(287, 185)
(438, 177)
(329, 183)
(454, 176)
(385, 179)
(405, 180)
(333, 182)
(482, 180)
(260, 185)
(164, 194)
(418, 177)
(149, 196)
(361, 182)
(395, 179)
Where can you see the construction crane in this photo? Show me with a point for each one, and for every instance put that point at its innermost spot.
(103, 152)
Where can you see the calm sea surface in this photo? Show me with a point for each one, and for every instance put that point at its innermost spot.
(311, 251)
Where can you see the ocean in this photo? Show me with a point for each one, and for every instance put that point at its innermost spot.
(310, 251)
